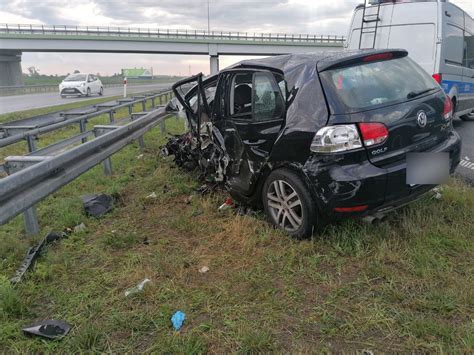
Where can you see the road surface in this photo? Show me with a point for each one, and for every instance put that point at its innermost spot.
(31, 101)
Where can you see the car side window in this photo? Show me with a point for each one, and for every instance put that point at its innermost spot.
(240, 101)
(268, 99)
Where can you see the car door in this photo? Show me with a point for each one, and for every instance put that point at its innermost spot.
(251, 112)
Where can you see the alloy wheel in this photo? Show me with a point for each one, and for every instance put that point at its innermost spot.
(284, 205)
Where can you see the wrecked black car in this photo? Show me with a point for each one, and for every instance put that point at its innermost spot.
(314, 137)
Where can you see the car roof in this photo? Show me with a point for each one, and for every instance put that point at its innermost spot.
(323, 60)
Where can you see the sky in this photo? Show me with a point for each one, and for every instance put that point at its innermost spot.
(320, 17)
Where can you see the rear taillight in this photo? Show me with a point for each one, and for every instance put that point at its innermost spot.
(333, 139)
(448, 108)
(373, 133)
(438, 78)
(378, 57)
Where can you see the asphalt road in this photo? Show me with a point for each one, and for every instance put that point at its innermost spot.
(32, 101)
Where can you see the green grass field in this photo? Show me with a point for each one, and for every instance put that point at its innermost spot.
(405, 285)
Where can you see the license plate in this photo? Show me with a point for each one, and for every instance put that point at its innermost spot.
(427, 168)
(69, 90)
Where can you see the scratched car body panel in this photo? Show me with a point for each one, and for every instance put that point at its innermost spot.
(313, 137)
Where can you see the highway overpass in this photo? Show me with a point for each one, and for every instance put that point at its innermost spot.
(15, 39)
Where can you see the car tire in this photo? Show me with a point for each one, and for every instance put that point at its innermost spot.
(88, 93)
(63, 96)
(468, 117)
(101, 91)
(288, 204)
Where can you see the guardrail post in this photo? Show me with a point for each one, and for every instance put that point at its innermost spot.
(31, 143)
(141, 140)
(130, 108)
(82, 126)
(30, 216)
(111, 116)
(144, 105)
(107, 163)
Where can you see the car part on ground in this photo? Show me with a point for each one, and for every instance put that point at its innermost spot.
(33, 253)
(316, 137)
(97, 205)
(49, 329)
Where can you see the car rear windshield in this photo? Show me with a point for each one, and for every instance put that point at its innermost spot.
(76, 77)
(378, 83)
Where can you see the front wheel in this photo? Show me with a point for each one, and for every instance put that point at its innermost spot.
(468, 117)
(288, 203)
(88, 92)
(101, 91)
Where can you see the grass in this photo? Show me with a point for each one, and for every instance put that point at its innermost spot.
(403, 285)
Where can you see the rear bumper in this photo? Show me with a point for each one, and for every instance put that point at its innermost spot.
(339, 182)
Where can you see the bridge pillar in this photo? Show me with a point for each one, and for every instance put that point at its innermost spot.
(10, 68)
(214, 64)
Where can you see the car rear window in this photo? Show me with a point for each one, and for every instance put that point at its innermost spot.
(378, 83)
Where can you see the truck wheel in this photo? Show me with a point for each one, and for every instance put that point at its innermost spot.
(288, 203)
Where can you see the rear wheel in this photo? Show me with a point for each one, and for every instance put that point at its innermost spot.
(101, 91)
(88, 92)
(288, 204)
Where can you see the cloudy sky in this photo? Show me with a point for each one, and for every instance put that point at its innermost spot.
(328, 17)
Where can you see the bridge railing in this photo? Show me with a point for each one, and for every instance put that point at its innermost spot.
(68, 30)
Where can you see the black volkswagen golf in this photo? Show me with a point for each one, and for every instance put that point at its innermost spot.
(314, 137)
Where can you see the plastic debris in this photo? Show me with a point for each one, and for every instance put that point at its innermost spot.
(50, 329)
(437, 192)
(178, 319)
(140, 156)
(80, 228)
(227, 204)
(204, 269)
(188, 199)
(33, 253)
(137, 288)
(97, 205)
(152, 195)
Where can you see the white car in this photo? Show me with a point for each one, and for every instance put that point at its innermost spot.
(81, 84)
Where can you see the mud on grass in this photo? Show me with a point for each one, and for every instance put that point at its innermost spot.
(403, 285)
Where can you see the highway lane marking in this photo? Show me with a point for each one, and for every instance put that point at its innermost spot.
(467, 163)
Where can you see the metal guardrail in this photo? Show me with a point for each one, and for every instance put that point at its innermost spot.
(14, 134)
(28, 89)
(68, 30)
(35, 177)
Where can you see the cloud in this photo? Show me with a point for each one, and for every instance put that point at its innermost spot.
(327, 17)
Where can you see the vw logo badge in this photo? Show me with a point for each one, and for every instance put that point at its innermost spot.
(422, 119)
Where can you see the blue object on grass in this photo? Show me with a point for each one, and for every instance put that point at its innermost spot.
(178, 319)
